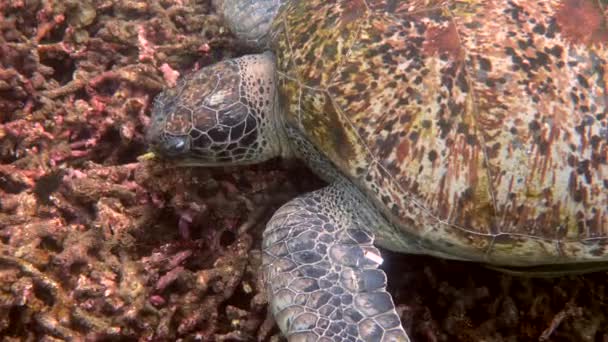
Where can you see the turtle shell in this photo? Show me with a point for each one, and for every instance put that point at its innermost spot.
(478, 127)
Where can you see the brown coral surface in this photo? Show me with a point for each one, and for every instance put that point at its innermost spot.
(96, 245)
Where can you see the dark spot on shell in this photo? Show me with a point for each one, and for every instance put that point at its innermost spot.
(471, 139)
(473, 25)
(414, 136)
(595, 141)
(467, 195)
(577, 193)
(539, 28)
(542, 59)
(445, 127)
(404, 118)
(534, 125)
(462, 83)
(582, 81)
(485, 64)
(360, 86)
(463, 128)
(555, 51)
(574, 97)
(543, 147)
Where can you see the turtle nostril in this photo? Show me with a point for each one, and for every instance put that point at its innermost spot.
(175, 145)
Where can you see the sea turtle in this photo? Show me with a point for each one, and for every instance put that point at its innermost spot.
(473, 130)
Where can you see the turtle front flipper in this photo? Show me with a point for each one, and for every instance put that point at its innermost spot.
(321, 271)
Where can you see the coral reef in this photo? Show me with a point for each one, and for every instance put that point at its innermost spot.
(96, 245)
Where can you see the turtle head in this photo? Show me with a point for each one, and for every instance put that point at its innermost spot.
(223, 114)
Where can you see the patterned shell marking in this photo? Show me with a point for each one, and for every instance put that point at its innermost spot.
(481, 126)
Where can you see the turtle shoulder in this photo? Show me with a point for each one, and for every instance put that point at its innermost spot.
(310, 40)
(481, 126)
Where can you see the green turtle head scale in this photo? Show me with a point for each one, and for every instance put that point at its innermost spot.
(222, 114)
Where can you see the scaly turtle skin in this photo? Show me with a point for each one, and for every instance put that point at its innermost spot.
(472, 130)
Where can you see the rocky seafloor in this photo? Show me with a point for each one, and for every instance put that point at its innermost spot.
(95, 245)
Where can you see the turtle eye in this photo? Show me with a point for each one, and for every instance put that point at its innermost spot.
(175, 145)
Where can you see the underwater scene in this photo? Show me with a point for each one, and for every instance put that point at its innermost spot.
(304, 170)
